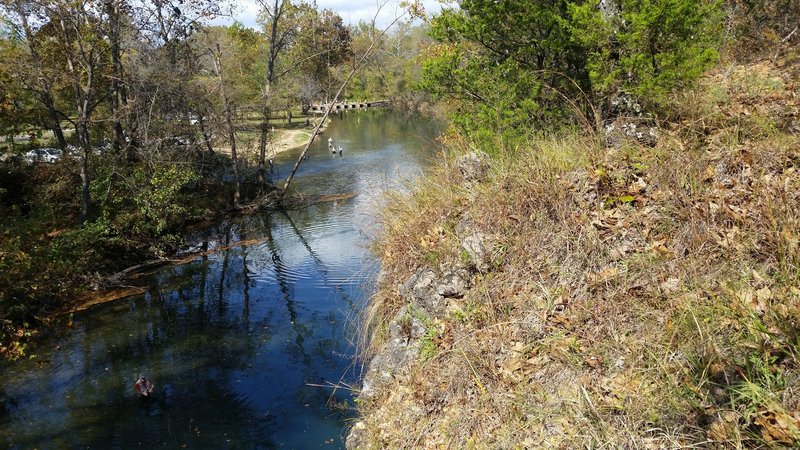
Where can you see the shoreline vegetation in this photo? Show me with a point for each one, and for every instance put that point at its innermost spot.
(584, 292)
(137, 127)
(607, 254)
(75, 289)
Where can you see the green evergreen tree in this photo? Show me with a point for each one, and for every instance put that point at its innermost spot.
(519, 65)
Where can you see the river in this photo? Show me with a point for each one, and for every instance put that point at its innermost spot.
(249, 347)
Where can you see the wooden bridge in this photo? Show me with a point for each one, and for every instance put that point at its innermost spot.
(341, 106)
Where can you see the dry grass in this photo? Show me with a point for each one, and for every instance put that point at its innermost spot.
(640, 297)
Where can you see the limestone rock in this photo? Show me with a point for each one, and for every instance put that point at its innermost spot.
(626, 122)
(429, 291)
(480, 249)
(474, 166)
(357, 437)
(465, 226)
(405, 331)
(421, 290)
(625, 130)
(453, 283)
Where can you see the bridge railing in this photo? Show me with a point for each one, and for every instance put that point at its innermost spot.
(341, 106)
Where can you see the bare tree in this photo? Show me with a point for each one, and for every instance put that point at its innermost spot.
(228, 111)
(279, 39)
(85, 53)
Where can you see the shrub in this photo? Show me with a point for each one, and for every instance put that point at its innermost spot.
(551, 64)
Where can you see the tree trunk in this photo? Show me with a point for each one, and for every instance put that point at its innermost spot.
(116, 97)
(82, 130)
(234, 157)
(262, 145)
(56, 127)
(82, 91)
(229, 124)
(274, 49)
(202, 121)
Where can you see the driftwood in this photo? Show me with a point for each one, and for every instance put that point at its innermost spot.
(299, 201)
(117, 279)
(97, 298)
(119, 285)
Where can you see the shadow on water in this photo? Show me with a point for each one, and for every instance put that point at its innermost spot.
(238, 342)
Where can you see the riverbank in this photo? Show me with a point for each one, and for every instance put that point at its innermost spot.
(52, 266)
(281, 139)
(578, 294)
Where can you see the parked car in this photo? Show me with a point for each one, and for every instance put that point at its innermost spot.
(48, 155)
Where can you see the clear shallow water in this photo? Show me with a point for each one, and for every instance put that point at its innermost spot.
(243, 345)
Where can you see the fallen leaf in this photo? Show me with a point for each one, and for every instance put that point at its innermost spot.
(778, 427)
(592, 361)
(709, 173)
(670, 285)
(603, 276)
(637, 187)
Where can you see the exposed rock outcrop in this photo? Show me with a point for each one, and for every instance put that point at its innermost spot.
(478, 246)
(405, 331)
(474, 167)
(428, 295)
(626, 122)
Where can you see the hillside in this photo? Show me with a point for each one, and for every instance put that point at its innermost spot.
(583, 293)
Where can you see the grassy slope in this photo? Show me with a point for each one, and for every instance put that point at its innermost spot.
(640, 297)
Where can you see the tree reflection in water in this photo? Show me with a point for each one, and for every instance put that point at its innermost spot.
(236, 342)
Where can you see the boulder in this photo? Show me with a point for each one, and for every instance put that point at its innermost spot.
(429, 291)
(421, 291)
(454, 282)
(480, 249)
(626, 122)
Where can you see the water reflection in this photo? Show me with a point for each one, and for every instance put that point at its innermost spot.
(238, 342)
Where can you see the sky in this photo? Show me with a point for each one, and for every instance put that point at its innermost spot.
(351, 11)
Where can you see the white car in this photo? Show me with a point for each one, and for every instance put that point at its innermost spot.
(48, 155)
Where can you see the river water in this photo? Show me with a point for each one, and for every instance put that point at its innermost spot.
(250, 347)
